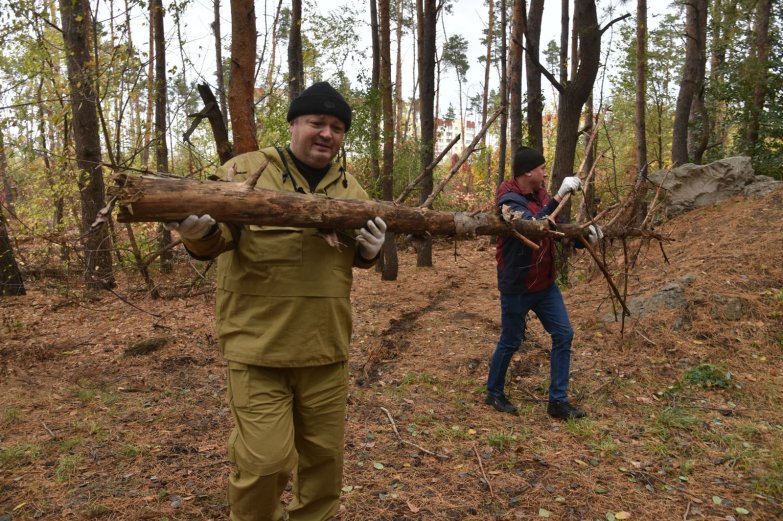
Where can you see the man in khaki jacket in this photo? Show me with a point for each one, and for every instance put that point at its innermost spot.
(284, 320)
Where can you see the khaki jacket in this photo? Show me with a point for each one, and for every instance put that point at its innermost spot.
(283, 294)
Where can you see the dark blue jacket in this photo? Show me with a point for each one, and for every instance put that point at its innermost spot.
(522, 269)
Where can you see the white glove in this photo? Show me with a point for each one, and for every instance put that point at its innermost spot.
(570, 184)
(371, 238)
(193, 227)
(594, 234)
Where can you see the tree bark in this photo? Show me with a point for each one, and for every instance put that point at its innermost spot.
(398, 101)
(695, 11)
(699, 118)
(161, 98)
(97, 244)
(220, 83)
(240, 88)
(11, 281)
(390, 262)
(427, 17)
(211, 111)
(641, 87)
(150, 198)
(575, 93)
(374, 100)
(485, 101)
(515, 75)
(504, 96)
(535, 97)
(760, 55)
(295, 61)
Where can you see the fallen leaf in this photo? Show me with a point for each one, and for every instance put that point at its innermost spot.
(378, 466)
(543, 512)
(717, 500)
(622, 515)
(742, 511)
(413, 508)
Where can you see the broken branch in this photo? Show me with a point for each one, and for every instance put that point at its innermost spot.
(151, 198)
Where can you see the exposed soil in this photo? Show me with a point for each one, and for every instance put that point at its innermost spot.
(684, 401)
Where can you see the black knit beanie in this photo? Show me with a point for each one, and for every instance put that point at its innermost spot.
(321, 98)
(525, 160)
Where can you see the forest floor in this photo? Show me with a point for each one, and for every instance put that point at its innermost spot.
(685, 397)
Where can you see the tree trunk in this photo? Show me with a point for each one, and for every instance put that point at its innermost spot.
(564, 24)
(8, 194)
(11, 281)
(97, 246)
(535, 97)
(150, 198)
(515, 75)
(240, 88)
(427, 23)
(575, 93)
(398, 101)
(485, 101)
(220, 83)
(161, 98)
(641, 88)
(759, 55)
(695, 11)
(699, 119)
(295, 61)
(374, 100)
(390, 262)
(504, 97)
(149, 114)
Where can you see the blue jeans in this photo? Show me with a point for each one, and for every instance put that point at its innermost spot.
(550, 309)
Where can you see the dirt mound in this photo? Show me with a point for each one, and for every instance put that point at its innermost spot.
(684, 396)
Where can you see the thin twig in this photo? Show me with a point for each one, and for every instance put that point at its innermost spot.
(481, 466)
(399, 438)
(48, 430)
(606, 274)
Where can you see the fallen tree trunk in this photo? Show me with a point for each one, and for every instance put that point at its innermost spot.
(158, 198)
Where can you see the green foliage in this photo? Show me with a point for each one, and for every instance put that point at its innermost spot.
(708, 376)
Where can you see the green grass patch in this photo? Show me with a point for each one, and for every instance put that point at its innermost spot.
(582, 428)
(70, 444)
(500, 440)
(455, 432)
(418, 378)
(66, 467)
(130, 451)
(95, 510)
(671, 419)
(18, 454)
(11, 415)
(708, 376)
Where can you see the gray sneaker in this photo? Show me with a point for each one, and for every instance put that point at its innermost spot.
(500, 404)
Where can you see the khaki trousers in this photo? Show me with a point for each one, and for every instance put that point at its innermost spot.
(286, 420)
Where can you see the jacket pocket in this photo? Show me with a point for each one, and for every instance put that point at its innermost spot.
(272, 245)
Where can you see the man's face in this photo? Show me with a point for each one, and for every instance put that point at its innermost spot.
(316, 138)
(533, 180)
(538, 177)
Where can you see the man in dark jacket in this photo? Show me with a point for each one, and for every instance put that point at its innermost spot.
(526, 280)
